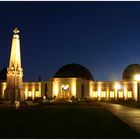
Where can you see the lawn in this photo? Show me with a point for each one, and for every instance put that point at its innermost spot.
(83, 120)
(130, 104)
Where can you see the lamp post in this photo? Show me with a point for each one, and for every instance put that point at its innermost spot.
(137, 78)
(44, 98)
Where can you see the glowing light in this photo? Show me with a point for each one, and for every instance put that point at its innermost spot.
(14, 71)
(17, 104)
(15, 59)
(33, 95)
(95, 94)
(56, 89)
(26, 91)
(91, 89)
(137, 77)
(33, 86)
(37, 93)
(99, 90)
(73, 88)
(121, 94)
(44, 97)
(125, 91)
(29, 93)
(65, 87)
(69, 100)
(135, 90)
(129, 94)
(112, 94)
(40, 89)
(26, 94)
(103, 94)
(117, 86)
(3, 89)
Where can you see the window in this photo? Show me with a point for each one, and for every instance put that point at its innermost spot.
(129, 94)
(37, 93)
(103, 94)
(95, 94)
(120, 94)
(29, 93)
(112, 94)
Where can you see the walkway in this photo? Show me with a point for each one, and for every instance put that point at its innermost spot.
(129, 115)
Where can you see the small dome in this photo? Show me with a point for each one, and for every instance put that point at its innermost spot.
(130, 71)
(3, 75)
(73, 70)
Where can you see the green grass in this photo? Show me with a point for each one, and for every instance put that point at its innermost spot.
(85, 120)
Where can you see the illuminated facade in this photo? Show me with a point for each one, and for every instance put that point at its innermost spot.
(95, 90)
(71, 81)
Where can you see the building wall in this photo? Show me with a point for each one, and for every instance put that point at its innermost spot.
(44, 88)
(79, 83)
(50, 88)
(32, 89)
(86, 88)
(79, 88)
(108, 91)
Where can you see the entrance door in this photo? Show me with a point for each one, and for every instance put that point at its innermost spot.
(65, 91)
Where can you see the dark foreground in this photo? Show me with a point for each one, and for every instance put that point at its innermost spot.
(83, 120)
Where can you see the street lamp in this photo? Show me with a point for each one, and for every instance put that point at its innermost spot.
(44, 98)
(137, 78)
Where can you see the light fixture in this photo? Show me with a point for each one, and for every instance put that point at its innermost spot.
(137, 77)
(44, 97)
(117, 86)
(65, 87)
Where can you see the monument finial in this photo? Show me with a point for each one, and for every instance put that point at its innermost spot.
(16, 31)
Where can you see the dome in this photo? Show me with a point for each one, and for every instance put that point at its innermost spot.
(130, 71)
(3, 74)
(73, 70)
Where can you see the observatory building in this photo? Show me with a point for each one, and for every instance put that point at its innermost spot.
(70, 81)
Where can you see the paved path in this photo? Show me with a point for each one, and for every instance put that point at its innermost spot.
(129, 115)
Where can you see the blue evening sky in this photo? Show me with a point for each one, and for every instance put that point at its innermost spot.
(102, 36)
